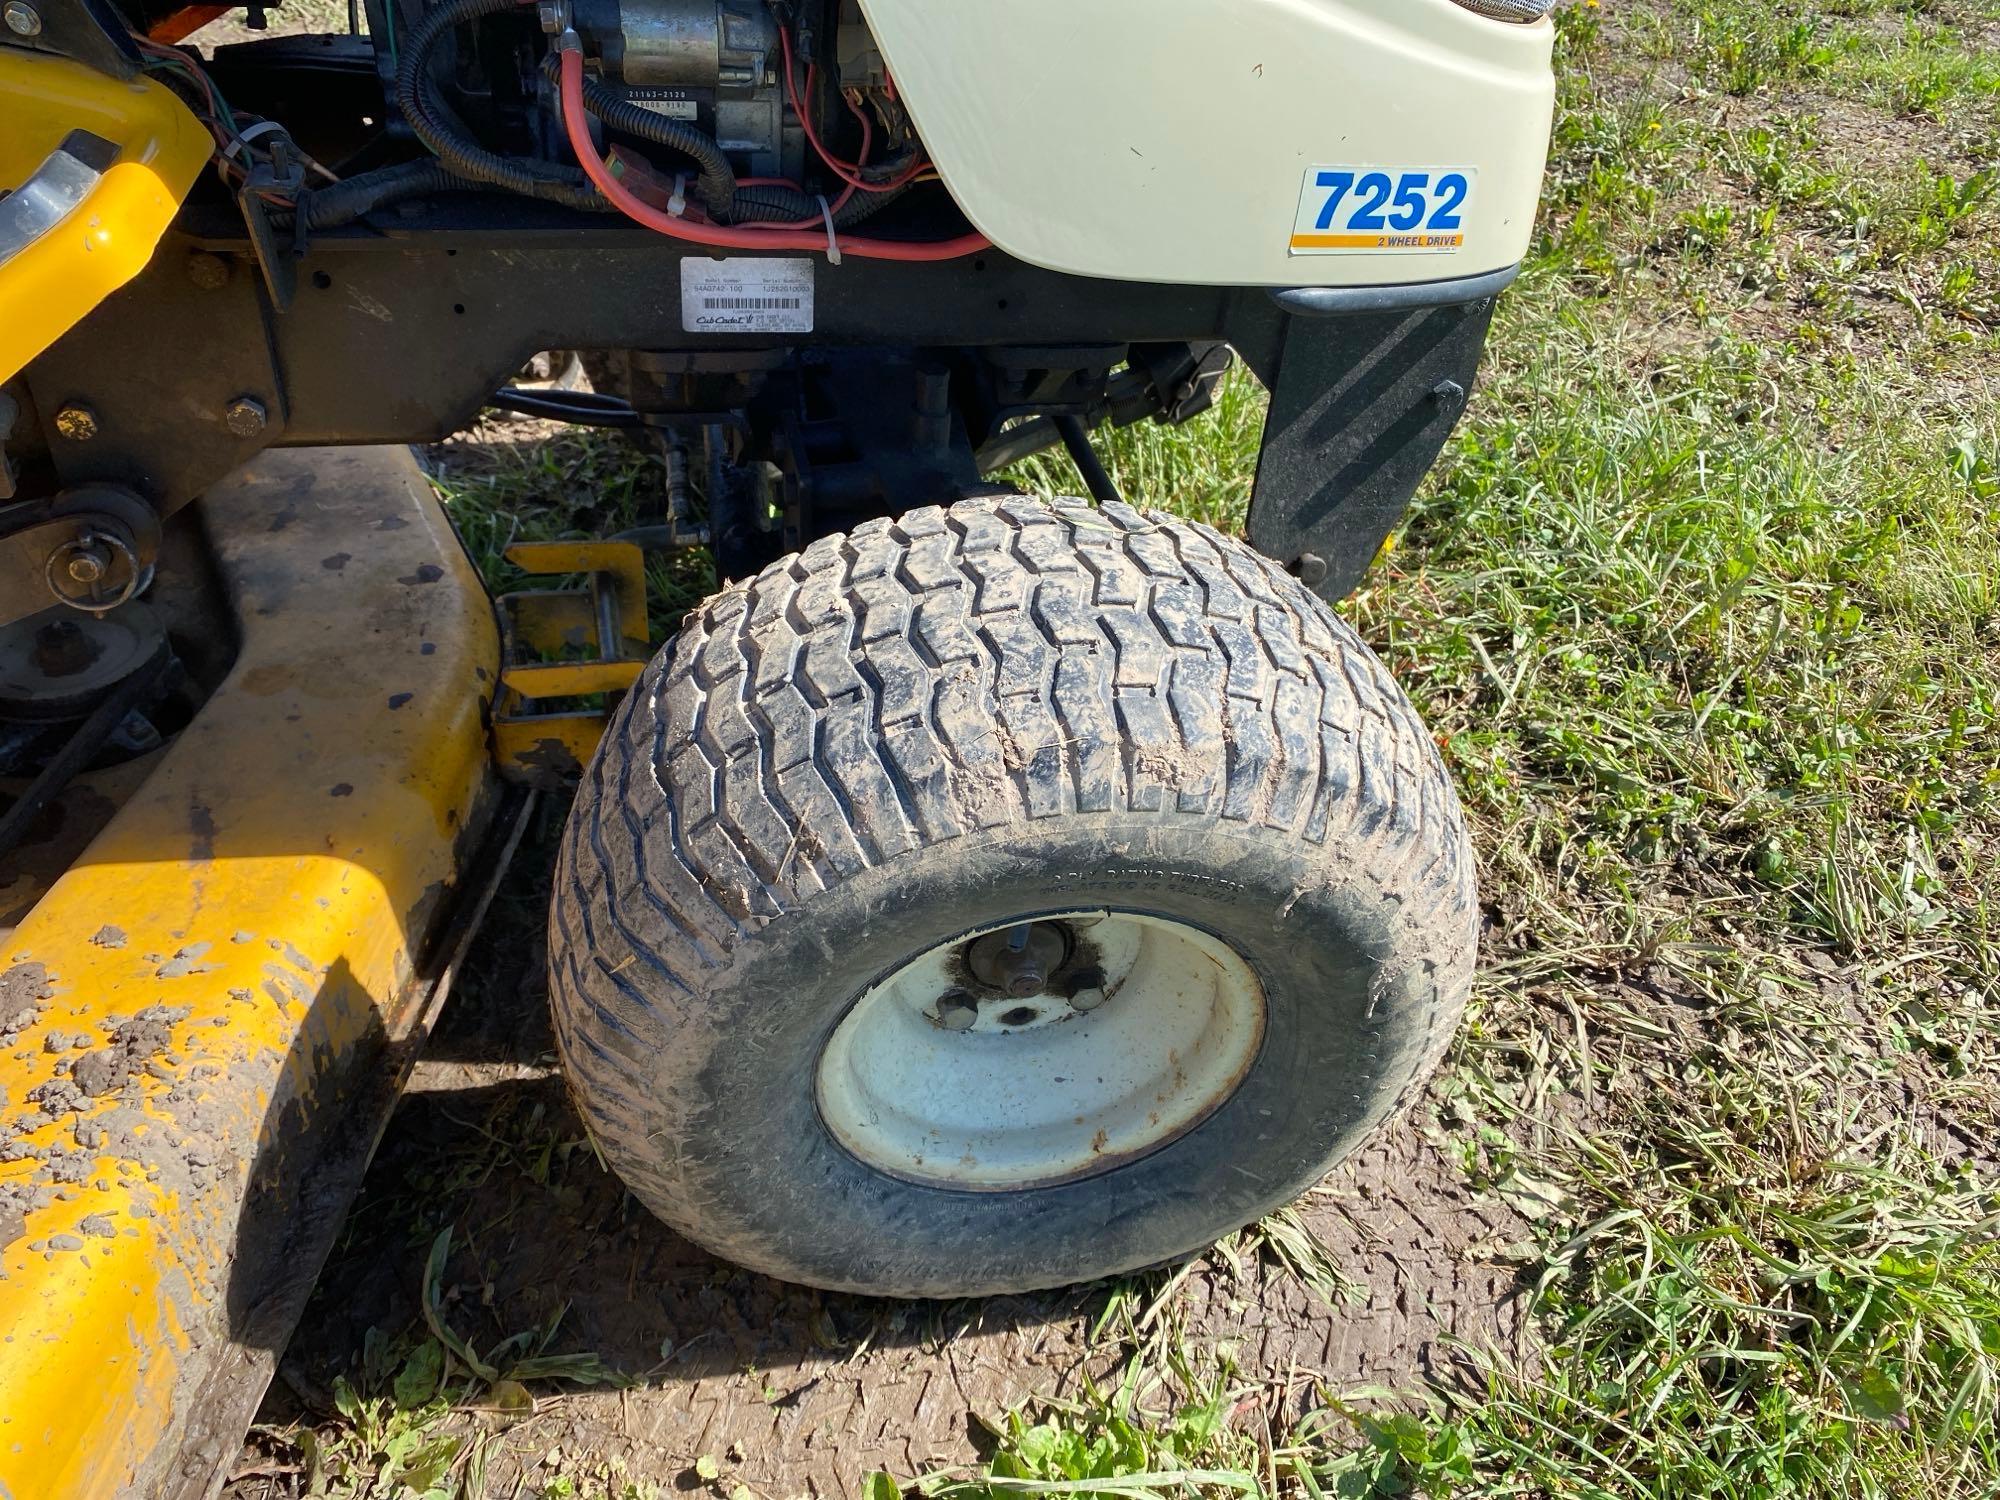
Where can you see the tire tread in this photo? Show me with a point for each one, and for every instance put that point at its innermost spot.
(951, 671)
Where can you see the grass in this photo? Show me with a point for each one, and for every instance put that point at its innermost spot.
(1704, 608)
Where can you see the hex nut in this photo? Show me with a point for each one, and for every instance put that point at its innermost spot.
(23, 19)
(245, 416)
(77, 422)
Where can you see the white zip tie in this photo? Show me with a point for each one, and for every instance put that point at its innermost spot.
(677, 205)
(832, 242)
(250, 133)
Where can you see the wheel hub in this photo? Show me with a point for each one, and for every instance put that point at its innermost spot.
(1019, 960)
(1041, 1051)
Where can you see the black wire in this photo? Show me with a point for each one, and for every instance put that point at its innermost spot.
(429, 117)
(583, 408)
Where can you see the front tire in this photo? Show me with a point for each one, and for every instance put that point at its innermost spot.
(864, 804)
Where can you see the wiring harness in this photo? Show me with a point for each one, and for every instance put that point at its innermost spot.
(243, 144)
(257, 157)
(724, 212)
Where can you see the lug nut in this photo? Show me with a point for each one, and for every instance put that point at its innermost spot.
(956, 1011)
(23, 19)
(245, 416)
(77, 422)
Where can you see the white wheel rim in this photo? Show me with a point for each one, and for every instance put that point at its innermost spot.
(1042, 1089)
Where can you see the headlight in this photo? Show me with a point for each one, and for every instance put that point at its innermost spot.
(1511, 10)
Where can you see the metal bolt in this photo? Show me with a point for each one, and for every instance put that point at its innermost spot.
(1310, 569)
(23, 19)
(88, 563)
(208, 271)
(77, 422)
(245, 416)
(956, 1011)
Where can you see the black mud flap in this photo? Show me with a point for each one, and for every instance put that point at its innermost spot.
(1367, 391)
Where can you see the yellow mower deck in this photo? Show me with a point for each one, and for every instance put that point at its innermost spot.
(204, 1020)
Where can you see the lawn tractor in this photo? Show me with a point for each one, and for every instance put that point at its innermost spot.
(978, 893)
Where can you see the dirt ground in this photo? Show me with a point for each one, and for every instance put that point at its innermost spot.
(794, 1392)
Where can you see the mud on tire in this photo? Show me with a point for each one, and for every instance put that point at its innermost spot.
(958, 719)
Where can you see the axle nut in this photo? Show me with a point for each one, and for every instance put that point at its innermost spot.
(77, 422)
(245, 416)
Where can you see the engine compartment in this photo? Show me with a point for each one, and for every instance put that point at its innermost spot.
(718, 114)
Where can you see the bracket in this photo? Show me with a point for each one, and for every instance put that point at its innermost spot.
(596, 627)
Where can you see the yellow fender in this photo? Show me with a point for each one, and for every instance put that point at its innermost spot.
(156, 148)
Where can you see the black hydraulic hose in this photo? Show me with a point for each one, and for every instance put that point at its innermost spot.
(461, 155)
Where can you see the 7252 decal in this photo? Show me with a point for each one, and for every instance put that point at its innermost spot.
(1395, 210)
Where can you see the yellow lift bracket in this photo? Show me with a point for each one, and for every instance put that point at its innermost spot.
(601, 628)
(92, 170)
(204, 1021)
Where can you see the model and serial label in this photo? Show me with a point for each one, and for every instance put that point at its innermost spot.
(747, 294)
(1378, 210)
